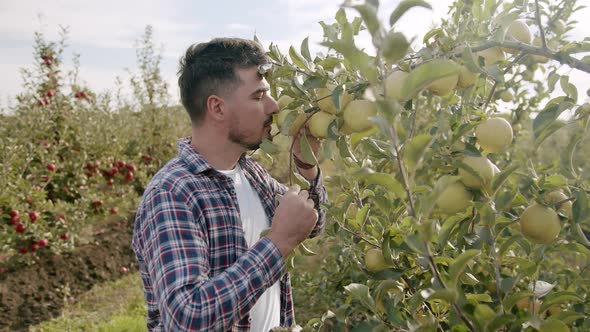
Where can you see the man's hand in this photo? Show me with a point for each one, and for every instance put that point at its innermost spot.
(294, 219)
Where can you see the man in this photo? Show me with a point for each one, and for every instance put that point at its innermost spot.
(197, 230)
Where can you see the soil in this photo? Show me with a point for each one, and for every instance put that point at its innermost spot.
(33, 294)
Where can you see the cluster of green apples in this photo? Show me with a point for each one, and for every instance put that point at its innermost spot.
(355, 114)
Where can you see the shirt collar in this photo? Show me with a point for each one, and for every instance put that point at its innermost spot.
(195, 161)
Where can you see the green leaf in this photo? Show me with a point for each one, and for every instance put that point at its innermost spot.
(314, 82)
(546, 122)
(445, 294)
(414, 150)
(305, 49)
(362, 214)
(297, 59)
(344, 148)
(403, 7)
(511, 299)
(308, 155)
(340, 17)
(423, 75)
(554, 325)
(460, 263)
(416, 243)
(361, 292)
(385, 180)
(479, 297)
(500, 321)
(300, 180)
(373, 149)
(288, 121)
(269, 147)
(368, 13)
(558, 298)
(336, 93)
(499, 179)
(580, 207)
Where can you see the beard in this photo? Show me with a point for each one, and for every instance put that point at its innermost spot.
(238, 137)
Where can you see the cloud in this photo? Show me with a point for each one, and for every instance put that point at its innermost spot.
(92, 22)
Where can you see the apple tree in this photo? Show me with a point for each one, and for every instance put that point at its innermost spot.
(449, 208)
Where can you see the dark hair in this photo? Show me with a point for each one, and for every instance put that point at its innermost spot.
(209, 68)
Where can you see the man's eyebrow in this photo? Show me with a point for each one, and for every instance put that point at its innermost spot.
(259, 90)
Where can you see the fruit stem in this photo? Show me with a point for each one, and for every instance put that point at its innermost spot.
(541, 30)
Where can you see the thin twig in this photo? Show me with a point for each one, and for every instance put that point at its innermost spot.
(541, 30)
(360, 237)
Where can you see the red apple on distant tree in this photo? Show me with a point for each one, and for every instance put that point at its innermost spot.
(20, 228)
(34, 216)
(14, 220)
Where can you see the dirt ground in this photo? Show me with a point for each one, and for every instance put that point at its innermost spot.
(32, 294)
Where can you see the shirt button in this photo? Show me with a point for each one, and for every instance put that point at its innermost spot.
(233, 192)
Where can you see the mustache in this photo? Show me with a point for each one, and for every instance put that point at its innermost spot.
(268, 122)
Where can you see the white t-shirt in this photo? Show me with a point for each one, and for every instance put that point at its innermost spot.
(266, 313)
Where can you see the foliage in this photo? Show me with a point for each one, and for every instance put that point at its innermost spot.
(467, 271)
(71, 159)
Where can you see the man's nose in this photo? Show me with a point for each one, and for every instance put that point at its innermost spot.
(273, 106)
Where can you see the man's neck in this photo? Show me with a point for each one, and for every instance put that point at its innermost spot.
(218, 152)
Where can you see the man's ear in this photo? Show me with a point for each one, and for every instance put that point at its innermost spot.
(216, 107)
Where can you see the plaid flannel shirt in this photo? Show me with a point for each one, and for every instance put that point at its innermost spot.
(197, 270)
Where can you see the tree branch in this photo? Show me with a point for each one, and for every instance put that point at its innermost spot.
(563, 58)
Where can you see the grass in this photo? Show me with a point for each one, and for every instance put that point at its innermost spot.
(117, 306)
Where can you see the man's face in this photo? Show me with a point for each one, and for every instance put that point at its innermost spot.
(251, 109)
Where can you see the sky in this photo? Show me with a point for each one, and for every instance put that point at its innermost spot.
(105, 33)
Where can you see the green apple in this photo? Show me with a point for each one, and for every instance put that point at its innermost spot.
(357, 113)
(455, 198)
(319, 124)
(494, 135)
(444, 86)
(540, 224)
(467, 78)
(326, 102)
(284, 101)
(491, 55)
(519, 31)
(394, 83)
(482, 166)
(374, 260)
(558, 196)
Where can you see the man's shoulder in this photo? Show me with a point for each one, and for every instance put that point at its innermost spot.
(175, 177)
